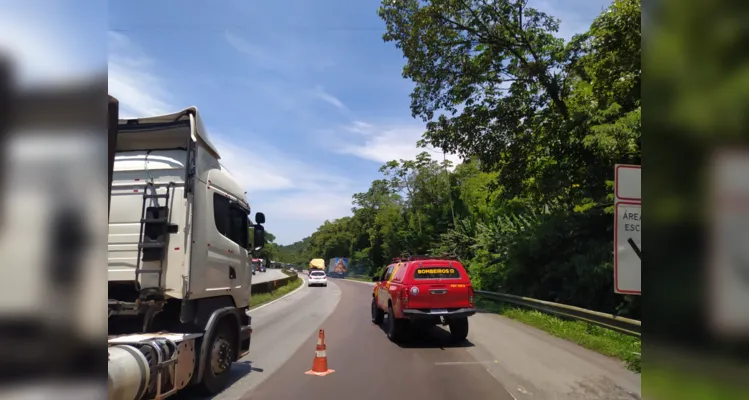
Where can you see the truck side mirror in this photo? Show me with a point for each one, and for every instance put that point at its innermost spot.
(259, 218)
(258, 238)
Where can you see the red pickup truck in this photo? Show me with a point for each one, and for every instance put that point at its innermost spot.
(425, 291)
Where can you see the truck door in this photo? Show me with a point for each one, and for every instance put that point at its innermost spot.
(224, 265)
(242, 259)
(383, 286)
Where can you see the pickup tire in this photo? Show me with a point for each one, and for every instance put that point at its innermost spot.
(395, 326)
(220, 357)
(459, 329)
(377, 314)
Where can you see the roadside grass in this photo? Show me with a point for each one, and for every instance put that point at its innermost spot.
(262, 298)
(607, 342)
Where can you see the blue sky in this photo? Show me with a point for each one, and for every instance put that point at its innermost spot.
(304, 99)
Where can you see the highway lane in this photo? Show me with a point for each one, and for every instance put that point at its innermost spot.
(533, 365)
(366, 362)
(505, 360)
(271, 274)
(279, 329)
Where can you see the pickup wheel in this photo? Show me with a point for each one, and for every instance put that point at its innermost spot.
(217, 364)
(394, 327)
(459, 329)
(377, 314)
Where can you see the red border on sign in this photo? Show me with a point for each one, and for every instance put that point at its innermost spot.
(616, 181)
(616, 246)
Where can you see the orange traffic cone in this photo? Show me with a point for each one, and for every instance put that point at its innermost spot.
(320, 364)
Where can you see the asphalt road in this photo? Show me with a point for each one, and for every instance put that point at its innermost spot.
(279, 329)
(366, 362)
(270, 274)
(502, 360)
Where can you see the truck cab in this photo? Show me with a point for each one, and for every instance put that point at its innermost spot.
(179, 259)
(421, 290)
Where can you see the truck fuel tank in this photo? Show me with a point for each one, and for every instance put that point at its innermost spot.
(128, 373)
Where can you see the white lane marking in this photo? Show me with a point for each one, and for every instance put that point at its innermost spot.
(287, 294)
(354, 280)
(466, 362)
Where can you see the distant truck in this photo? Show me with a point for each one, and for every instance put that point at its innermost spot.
(316, 264)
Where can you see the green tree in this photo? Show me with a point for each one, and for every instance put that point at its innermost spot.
(541, 124)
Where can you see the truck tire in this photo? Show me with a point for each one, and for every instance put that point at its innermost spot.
(220, 357)
(394, 326)
(377, 314)
(459, 329)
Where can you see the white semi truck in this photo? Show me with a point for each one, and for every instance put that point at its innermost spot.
(179, 260)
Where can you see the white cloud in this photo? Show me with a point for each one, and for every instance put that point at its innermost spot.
(321, 94)
(297, 196)
(385, 144)
(140, 91)
(251, 169)
(360, 127)
(266, 169)
(255, 52)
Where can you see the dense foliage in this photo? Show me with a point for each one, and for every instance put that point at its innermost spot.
(540, 123)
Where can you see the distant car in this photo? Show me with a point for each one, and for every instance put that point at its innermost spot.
(261, 268)
(317, 278)
(256, 262)
(423, 291)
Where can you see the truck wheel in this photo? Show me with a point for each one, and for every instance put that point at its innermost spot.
(377, 314)
(459, 329)
(394, 327)
(220, 357)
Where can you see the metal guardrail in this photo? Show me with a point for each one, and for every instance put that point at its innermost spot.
(269, 286)
(620, 324)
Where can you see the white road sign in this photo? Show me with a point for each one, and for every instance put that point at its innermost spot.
(628, 229)
(628, 182)
(628, 242)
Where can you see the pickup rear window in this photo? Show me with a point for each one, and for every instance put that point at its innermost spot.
(441, 272)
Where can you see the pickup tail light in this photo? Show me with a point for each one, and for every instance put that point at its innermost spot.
(404, 298)
(470, 296)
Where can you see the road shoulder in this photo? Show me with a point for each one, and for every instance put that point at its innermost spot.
(533, 364)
